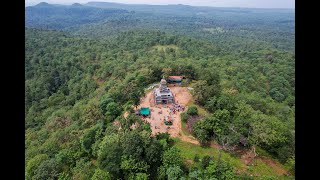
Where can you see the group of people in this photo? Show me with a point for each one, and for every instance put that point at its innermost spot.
(176, 107)
(173, 109)
(167, 128)
(168, 119)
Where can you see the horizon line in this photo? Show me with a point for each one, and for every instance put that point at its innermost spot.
(67, 3)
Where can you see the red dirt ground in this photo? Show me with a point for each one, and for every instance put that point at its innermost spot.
(181, 95)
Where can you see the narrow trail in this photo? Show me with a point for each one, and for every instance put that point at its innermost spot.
(189, 139)
(275, 165)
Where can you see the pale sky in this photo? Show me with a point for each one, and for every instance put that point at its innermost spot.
(215, 3)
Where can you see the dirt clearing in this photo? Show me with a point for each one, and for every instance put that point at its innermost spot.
(161, 111)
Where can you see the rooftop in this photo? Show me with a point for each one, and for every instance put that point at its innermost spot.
(144, 111)
(175, 77)
(158, 93)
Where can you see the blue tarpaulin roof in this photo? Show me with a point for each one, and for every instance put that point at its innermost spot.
(144, 111)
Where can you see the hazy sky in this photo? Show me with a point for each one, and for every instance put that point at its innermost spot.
(215, 3)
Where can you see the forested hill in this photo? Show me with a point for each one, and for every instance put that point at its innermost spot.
(183, 10)
(232, 29)
(87, 65)
(52, 16)
(78, 87)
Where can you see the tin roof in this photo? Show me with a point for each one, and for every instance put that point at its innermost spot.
(145, 111)
(175, 77)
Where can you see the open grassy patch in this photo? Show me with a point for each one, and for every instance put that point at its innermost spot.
(261, 169)
(201, 111)
(215, 30)
(263, 153)
(184, 129)
(164, 47)
(189, 150)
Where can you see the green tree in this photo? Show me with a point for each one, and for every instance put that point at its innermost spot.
(109, 155)
(196, 175)
(33, 164)
(290, 164)
(201, 132)
(132, 91)
(88, 139)
(64, 176)
(171, 157)
(206, 161)
(184, 117)
(131, 144)
(192, 110)
(196, 158)
(174, 172)
(113, 111)
(100, 174)
(161, 173)
(139, 176)
(66, 157)
(105, 100)
(48, 169)
(200, 92)
(130, 165)
(267, 130)
(211, 168)
(84, 169)
(211, 76)
(224, 171)
(166, 72)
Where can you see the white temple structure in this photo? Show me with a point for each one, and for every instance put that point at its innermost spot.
(163, 94)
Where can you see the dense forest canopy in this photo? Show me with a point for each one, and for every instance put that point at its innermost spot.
(231, 28)
(86, 66)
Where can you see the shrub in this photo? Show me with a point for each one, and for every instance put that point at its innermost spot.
(184, 117)
(192, 110)
(205, 161)
(196, 158)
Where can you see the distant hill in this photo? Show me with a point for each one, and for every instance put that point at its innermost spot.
(162, 9)
(272, 27)
(180, 9)
(46, 5)
(44, 15)
(42, 4)
(77, 4)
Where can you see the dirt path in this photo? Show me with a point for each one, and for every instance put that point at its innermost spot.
(247, 157)
(189, 139)
(275, 165)
(126, 114)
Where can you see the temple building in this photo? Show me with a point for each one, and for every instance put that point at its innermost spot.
(163, 94)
